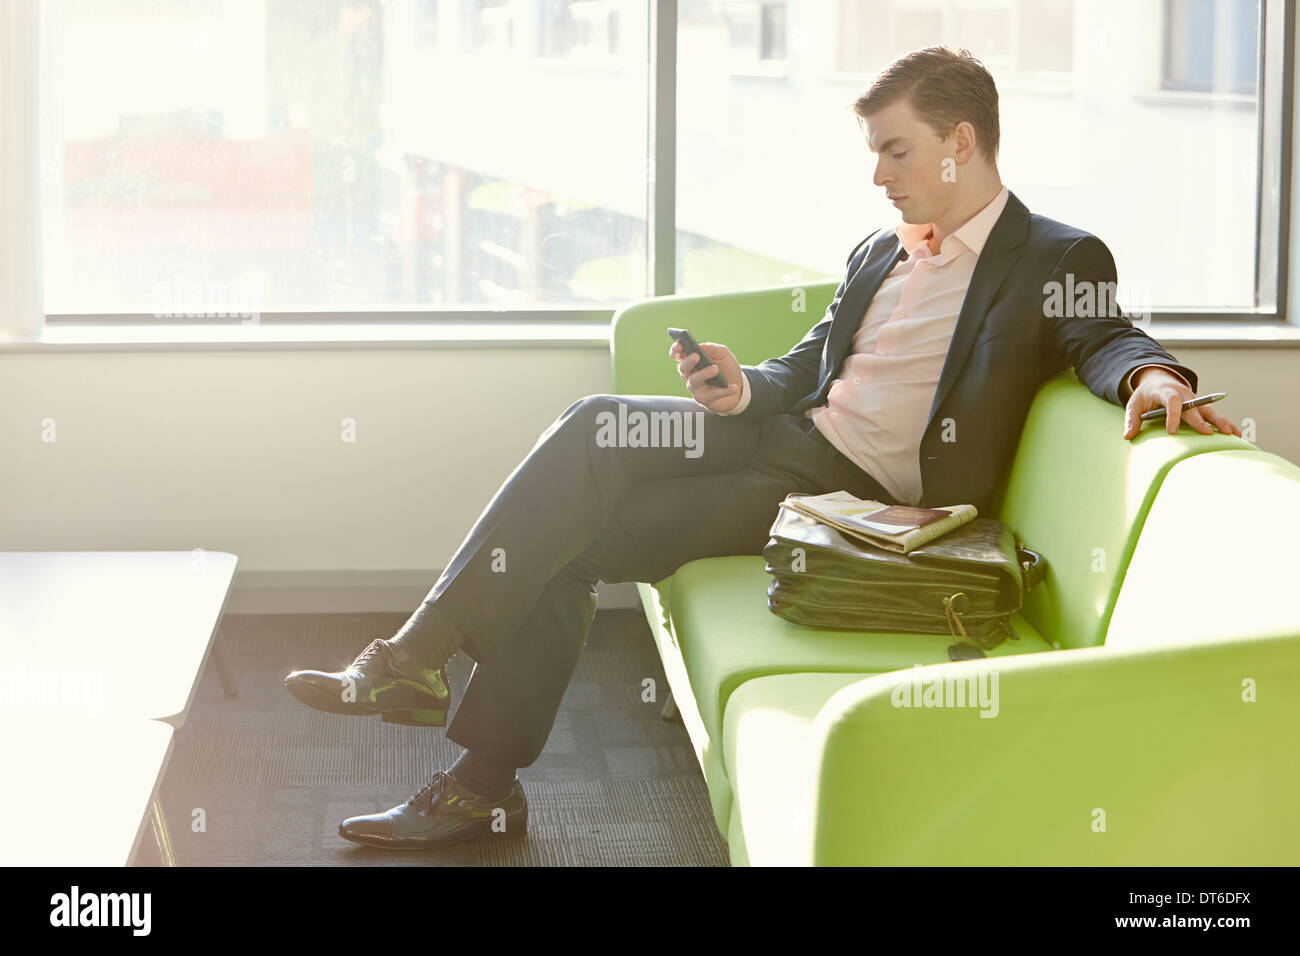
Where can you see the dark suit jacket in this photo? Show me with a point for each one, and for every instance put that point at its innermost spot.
(1003, 348)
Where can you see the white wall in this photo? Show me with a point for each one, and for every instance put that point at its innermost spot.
(241, 451)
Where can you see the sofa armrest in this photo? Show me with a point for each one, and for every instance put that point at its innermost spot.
(1165, 749)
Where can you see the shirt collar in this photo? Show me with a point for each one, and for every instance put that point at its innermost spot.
(972, 234)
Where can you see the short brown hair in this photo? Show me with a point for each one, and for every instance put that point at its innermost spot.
(945, 87)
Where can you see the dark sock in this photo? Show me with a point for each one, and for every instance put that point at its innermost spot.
(480, 775)
(428, 638)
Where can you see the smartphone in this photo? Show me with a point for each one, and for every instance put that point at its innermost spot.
(1203, 400)
(689, 345)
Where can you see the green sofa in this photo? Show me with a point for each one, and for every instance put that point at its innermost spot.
(1148, 714)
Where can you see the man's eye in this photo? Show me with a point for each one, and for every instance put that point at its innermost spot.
(899, 155)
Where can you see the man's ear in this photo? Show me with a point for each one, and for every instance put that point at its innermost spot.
(964, 145)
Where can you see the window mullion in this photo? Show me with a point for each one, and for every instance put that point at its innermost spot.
(22, 314)
(661, 142)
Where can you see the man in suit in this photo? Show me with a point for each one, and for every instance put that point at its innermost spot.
(912, 389)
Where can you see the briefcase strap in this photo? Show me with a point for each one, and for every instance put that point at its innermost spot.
(954, 618)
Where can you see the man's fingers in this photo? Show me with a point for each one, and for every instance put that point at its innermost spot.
(1194, 418)
(1173, 413)
(1221, 422)
(716, 352)
(709, 394)
(700, 377)
(1132, 419)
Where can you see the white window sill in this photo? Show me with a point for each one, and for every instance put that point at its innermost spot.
(299, 335)
(1231, 334)
(128, 337)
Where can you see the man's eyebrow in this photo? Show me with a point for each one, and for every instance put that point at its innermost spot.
(884, 147)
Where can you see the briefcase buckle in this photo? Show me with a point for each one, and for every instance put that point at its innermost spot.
(1032, 566)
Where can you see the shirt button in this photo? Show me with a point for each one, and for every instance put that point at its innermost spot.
(902, 315)
(835, 414)
(857, 381)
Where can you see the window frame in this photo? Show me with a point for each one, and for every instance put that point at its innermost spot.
(1276, 74)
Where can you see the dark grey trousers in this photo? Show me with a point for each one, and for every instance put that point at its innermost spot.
(583, 507)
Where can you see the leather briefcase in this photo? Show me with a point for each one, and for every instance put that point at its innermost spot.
(967, 582)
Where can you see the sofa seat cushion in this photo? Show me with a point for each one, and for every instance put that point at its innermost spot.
(726, 636)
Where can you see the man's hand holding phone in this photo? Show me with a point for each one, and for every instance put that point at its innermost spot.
(696, 376)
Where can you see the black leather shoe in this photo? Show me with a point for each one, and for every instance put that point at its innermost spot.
(443, 812)
(373, 684)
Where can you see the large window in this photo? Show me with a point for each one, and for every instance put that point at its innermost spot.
(392, 157)
(344, 154)
(1139, 122)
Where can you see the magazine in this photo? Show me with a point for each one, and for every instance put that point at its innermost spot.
(900, 528)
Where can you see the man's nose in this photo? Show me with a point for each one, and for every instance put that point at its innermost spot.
(881, 175)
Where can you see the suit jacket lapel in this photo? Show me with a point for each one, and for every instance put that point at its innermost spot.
(861, 290)
(1000, 253)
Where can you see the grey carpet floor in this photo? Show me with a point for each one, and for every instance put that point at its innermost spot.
(615, 786)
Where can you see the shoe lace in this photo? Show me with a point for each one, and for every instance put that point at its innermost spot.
(435, 783)
(377, 646)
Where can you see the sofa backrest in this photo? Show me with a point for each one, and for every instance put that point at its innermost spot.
(755, 324)
(1078, 492)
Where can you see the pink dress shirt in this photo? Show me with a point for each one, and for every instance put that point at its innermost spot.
(877, 409)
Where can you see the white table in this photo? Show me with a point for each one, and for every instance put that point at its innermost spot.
(81, 792)
(100, 658)
(133, 626)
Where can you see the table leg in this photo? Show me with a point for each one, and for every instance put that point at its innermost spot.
(160, 834)
(670, 711)
(224, 674)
